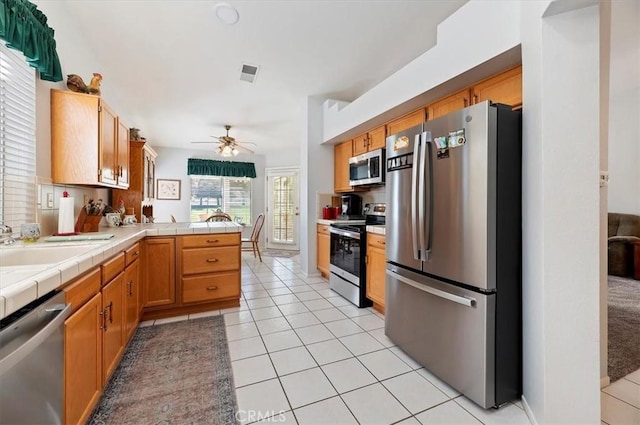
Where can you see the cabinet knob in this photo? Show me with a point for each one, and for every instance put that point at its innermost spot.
(211, 288)
(381, 242)
(212, 260)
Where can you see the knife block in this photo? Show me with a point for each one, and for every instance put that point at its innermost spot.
(87, 223)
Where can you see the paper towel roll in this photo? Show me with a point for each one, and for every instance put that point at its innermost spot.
(66, 216)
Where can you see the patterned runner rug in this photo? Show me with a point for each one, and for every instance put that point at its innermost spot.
(176, 373)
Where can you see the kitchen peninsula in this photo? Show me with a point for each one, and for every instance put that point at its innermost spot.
(30, 271)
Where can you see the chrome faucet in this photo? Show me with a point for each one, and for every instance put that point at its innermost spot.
(6, 234)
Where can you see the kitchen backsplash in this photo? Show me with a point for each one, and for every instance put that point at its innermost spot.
(48, 201)
(375, 195)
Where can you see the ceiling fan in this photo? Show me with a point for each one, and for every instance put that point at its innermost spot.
(228, 146)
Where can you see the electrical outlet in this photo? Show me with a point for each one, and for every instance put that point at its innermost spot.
(49, 200)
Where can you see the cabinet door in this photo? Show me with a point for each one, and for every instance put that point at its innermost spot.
(376, 260)
(341, 154)
(122, 166)
(159, 286)
(107, 145)
(323, 249)
(82, 361)
(113, 320)
(503, 88)
(131, 296)
(448, 104)
(360, 144)
(407, 121)
(377, 138)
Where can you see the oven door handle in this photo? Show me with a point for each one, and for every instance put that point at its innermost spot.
(347, 233)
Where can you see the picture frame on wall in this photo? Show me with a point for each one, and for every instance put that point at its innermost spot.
(168, 189)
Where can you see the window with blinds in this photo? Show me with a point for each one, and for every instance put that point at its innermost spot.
(17, 139)
(231, 195)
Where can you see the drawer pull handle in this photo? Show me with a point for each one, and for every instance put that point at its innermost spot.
(212, 260)
(211, 288)
(212, 240)
(381, 242)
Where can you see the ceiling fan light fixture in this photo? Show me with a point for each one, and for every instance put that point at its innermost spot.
(235, 151)
(226, 13)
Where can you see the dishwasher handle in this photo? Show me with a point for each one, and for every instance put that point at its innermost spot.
(25, 349)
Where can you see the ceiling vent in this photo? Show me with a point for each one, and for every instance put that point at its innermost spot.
(248, 73)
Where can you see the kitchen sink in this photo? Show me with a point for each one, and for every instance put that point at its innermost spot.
(25, 256)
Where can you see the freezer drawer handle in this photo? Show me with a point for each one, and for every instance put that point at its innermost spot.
(469, 302)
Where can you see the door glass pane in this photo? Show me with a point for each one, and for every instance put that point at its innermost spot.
(283, 207)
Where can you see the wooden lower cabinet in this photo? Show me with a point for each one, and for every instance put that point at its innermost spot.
(376, 270)
(324, 249)
(159, 285)
(131, 299)
(112, 325)
(211, 287)
(83, 361)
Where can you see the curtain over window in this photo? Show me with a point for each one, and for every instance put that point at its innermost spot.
(208, 167)
(25, 28)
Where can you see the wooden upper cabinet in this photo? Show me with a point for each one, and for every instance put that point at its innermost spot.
(503, 88)
(377, 138)
(372, 140)
(341, 154)
(449, 104)
(85, 141)
(122, 148)
(360, 144)
(406, 121)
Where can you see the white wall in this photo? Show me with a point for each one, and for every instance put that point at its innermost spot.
(624, 125)
(560, 56)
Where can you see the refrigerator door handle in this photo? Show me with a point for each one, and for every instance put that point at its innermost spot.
(427, 205)
(421, 201)
(466, 301)
(414, 199)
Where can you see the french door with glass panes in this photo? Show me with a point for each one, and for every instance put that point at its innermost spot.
(283, 212)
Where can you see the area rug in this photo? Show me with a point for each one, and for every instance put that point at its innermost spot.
(279, 253)
(176, 373)
(624, 327)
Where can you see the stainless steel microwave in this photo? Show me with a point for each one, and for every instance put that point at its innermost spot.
(367, 169)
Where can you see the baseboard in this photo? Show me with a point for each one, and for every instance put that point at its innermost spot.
(604, 382)
(528, 411)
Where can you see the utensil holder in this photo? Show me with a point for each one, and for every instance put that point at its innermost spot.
(87, 223)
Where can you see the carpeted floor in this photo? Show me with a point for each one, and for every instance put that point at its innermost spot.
(176, 373)
(624, 326)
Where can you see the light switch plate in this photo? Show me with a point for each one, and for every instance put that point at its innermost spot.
(49, 200)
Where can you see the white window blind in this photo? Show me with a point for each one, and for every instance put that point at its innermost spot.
(17, 139)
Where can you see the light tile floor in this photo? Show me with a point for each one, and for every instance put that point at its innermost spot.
(303, 355)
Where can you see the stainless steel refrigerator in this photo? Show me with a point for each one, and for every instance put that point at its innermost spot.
(453, 233)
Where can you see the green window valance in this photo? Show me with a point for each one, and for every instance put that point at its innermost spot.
(209, 167)
(25, 28)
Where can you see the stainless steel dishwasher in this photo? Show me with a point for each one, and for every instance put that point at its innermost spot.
(32, 363)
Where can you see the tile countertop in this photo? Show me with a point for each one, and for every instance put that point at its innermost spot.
(329, 222)
(378, 229)
(21, 284)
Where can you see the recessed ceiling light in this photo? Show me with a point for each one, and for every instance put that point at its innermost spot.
(226, 13)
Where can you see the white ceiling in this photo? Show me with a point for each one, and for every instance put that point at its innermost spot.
(177, 67)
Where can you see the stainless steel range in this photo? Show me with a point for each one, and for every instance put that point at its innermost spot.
(347, 259)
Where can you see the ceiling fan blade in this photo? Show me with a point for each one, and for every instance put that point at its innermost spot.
(243, 148)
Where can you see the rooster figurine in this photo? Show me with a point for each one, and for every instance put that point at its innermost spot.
(76, 83)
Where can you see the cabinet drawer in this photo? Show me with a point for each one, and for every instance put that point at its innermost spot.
(83, 289)
(211, 239)
(111, 268)
(208, 260)
(211, 287)
(323, 228)
(376, 240)
(132, 254)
